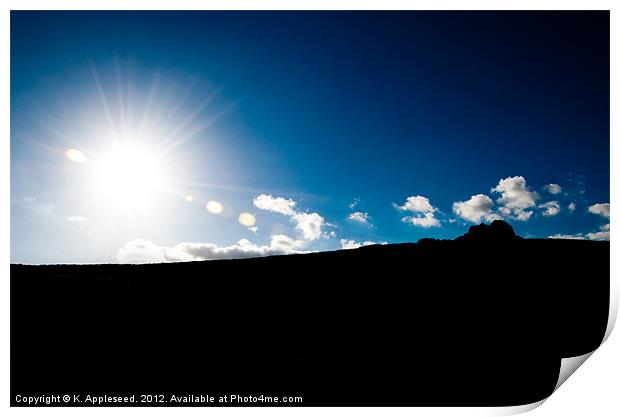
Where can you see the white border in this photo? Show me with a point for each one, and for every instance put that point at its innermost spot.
(594, 388)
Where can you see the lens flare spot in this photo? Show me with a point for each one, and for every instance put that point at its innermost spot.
(75, 155)
(215, 207)
(189, 198)
(247, 219)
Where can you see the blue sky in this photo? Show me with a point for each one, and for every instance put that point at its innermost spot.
(327, 129)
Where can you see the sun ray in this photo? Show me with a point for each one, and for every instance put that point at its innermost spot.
(104, 101)
(144, 119)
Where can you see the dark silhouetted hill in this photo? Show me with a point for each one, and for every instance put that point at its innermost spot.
(481, 320)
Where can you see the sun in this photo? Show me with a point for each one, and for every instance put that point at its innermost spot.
(129, 177)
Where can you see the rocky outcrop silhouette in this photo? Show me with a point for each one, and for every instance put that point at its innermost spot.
(497, 231)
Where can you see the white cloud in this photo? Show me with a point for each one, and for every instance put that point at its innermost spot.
(39, 209)
(354, 203)
(515, 197)
(572, 207)
(602, 209)
(416, 204)
(577, 236)
(602, 235)
(479, 207)
(352, 244)
(423, 209)
(493, 216)
(310, 225)
(551, 208)
(280, 205)
(515, 193)
(522, 215)
(144, 251)
(426, 220)
(516, 214)
(77, 219)
(253, 229)
(553, 188)
(44, 209)
(359, 217)
(286, 244)
(140, 251)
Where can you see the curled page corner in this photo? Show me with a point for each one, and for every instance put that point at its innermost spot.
(614, 295)
(569, 366)
(519, 409)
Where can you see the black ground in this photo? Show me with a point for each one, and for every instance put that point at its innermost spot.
(481, 320)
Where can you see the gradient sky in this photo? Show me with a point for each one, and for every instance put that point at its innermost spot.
(329, 129)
